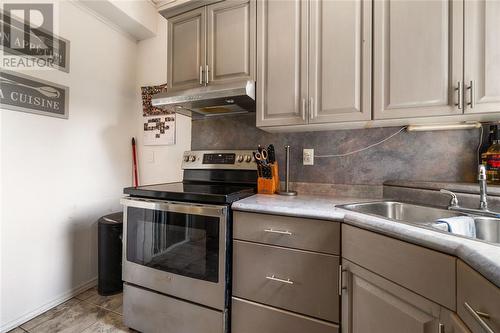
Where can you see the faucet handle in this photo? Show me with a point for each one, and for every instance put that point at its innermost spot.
(454, 198)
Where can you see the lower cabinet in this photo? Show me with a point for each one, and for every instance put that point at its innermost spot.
(373, 304)
(286, 275)
(284, 282)
(299, 281)
(478, 300)
(453, 323)
(251, 317)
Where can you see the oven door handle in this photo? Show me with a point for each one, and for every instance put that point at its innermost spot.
(175, 207)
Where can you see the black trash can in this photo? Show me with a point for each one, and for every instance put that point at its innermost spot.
(110, 229)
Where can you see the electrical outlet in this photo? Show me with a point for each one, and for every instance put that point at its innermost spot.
(150, 156)
(308, 157)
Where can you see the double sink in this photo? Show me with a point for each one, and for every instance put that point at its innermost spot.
(487, 228)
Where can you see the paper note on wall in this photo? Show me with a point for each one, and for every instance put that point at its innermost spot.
(159, 130)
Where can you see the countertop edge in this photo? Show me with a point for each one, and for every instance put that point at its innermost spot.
(338, 216)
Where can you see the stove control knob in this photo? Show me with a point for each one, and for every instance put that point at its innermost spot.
(240, 158)
(248, 158)
(193, 158)
(186, 158)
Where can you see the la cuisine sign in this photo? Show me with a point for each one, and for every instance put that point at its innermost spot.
(21, 92)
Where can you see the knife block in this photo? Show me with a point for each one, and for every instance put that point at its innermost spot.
(269, 185)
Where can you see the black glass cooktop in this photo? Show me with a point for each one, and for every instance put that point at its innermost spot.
(193, 192)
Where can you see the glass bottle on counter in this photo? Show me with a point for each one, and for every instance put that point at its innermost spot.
(486, 143)
(493, 159)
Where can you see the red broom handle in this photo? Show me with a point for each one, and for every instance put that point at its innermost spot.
(134, 157)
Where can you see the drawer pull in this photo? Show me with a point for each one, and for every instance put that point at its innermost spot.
(281, 232)
(478, 316)
(274, 278)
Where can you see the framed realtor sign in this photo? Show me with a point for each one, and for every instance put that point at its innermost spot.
(31, 47)
(20, 92)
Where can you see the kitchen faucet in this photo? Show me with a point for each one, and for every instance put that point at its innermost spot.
(483, 195)
(483, 198)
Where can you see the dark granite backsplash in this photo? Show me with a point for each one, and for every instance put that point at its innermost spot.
(433, 156)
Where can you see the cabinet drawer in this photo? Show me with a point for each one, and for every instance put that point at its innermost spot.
(481, 295)
(250, 317)
(147, 311)
(426, 272)
(298, 233)
(261, 273)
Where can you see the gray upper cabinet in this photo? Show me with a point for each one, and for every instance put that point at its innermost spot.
(212, 44)
(418, 58)
(313, 61)
(281, 62)
(340, 61)
(231, 41)
(482, 56)
(186, 49)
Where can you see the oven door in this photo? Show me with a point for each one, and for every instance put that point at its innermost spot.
(176, 248)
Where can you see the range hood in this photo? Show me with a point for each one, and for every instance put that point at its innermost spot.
(209, 101)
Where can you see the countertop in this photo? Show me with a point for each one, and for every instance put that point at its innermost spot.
(483, 257)
(310, 206)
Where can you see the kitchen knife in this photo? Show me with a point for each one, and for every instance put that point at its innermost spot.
(271, 154)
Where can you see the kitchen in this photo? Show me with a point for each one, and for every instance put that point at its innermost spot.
(387, 223)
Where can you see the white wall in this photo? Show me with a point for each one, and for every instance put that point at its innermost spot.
(58, 176)
(135, 17)
(159, 164)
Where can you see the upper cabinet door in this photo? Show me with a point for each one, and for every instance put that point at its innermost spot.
(482, 56)
(186, 49)
(340, 61)
(231, 41)
(418, 58)
(281, 62)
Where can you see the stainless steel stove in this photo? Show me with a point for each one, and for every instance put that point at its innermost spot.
(177, 249)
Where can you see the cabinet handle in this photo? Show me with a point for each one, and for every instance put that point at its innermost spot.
(478, 316)
(281, 232)
(472, 101)
(340, 280)
(201, 75)
(303, 110)
(206, 75)
(274, 278)
(311, 108)
(341, 285)
(460, 90)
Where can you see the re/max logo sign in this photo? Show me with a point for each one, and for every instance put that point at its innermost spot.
(27, 31)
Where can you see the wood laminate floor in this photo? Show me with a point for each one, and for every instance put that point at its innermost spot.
(86, 313)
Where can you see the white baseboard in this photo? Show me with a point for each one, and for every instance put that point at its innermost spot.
(47, 306)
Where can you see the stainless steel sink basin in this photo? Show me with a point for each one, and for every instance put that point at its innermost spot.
(400, 211)
(487, 228)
